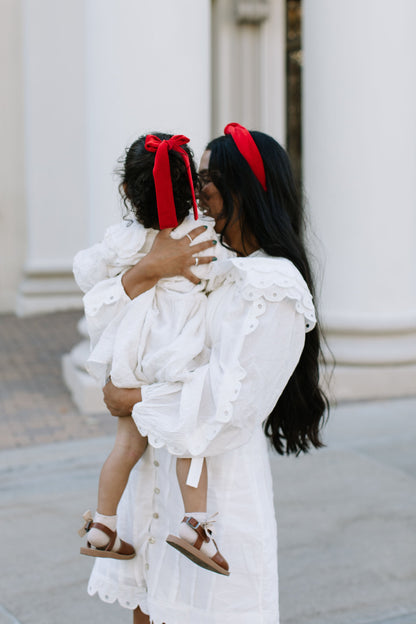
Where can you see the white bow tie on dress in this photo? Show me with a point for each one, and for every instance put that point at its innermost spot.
(208, 525)
(195, 470)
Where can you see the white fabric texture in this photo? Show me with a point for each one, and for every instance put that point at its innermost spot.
(256, 323)
(157, 337)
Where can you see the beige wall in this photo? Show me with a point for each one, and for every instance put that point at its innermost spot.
(12, 205)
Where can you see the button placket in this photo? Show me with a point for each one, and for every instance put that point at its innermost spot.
(156, 491)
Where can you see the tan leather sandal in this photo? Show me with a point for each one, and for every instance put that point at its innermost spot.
(125, 551)
(217, 563)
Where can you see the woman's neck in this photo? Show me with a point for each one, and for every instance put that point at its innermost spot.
(234, 239)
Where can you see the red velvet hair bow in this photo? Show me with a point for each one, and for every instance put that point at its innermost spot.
(161, 174)
(248, 149)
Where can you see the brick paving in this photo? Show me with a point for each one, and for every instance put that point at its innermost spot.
(35, 405)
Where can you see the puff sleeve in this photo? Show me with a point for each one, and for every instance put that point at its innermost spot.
(257, 321)
(98, 271)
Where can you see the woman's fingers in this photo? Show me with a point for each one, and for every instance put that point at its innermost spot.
(169, 257)
(204, 260)
(191, 277)
(201, 260)
(197, 231)
(120, 401)
(202, 246)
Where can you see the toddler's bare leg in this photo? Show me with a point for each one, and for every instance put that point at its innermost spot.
(194, 499)
(128, 448)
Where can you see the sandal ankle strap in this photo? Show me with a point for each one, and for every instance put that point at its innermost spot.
(111, 534)
(198, 528)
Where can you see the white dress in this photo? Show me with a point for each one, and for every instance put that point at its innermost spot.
(159, 336)
(256, 324)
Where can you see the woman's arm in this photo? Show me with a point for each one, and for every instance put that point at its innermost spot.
(222, 402)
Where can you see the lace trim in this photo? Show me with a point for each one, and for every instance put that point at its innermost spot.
(207, 431)
(271, 279)
(127, 597)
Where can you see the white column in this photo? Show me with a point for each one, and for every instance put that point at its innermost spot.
(147, 68)
(54, 137)
(12, 205)
(359, 171)
(97, 73)
(249, 75)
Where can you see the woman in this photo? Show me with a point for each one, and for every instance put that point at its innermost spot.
(262, 377)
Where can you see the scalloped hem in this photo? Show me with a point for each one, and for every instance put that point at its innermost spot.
(173, 614)
(128, 599)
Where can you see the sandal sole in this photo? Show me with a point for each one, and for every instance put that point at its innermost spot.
(94, 552)
(195, 555)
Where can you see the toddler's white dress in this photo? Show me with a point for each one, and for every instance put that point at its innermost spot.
(159, 336)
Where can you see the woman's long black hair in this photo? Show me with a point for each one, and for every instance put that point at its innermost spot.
(276, 218)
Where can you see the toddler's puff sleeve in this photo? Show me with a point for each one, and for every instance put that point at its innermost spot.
(98, 271)
(90, 267)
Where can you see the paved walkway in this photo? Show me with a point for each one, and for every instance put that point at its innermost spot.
(347, 545)
(35, 405)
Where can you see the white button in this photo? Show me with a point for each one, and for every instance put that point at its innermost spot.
(156, 463)
(146, 566)
(156, 515)
(151, 540)
(156, 491)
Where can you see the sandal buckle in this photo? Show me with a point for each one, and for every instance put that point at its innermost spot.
(188, 522)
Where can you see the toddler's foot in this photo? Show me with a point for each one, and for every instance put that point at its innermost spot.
(102, 538)
(195, 542)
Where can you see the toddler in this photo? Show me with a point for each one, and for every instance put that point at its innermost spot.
(158, 336)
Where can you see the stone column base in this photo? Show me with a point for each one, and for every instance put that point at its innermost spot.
(43, 292)
(86, 392)
(356, 383)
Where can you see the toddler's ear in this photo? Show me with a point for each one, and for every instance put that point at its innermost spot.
(166, 232)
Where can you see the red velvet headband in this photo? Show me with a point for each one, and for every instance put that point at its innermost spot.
(248, 149)
(161, 174)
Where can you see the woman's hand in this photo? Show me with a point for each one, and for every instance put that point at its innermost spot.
(168, 257)
(120, 401)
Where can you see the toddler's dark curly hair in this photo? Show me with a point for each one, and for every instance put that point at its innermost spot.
(137, 186)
